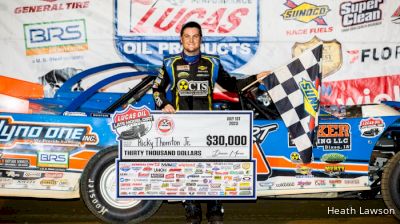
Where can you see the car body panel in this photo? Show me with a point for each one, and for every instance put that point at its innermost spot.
(31, 144)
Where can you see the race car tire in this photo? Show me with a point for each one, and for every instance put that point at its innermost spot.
(98, 191)
(390, 185)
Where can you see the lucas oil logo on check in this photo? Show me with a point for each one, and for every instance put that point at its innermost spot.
(148, 29)
(55, 37)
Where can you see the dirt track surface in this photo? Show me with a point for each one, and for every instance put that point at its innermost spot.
(288, 211)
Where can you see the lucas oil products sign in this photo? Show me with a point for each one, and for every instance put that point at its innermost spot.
(147, 30)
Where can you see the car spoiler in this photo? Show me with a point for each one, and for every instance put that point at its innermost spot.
(66, 99)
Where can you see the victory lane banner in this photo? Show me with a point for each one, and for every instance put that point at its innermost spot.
(186, 180)
(189, 135)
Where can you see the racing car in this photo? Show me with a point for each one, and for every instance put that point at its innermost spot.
(62, 147)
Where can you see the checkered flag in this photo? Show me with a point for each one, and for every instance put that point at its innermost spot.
(294, 88)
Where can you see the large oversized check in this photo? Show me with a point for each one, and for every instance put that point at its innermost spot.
(194, 154)
(194, 135)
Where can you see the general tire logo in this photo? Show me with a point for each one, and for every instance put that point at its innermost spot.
(40, 133)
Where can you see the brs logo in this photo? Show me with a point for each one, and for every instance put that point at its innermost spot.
(53, 159)
(55, 37)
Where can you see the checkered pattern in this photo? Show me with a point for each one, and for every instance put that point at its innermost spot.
(283, 87)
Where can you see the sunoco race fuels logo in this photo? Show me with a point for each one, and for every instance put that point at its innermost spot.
(148, 29)
(12, 133)
(55, 37)
(305, 12)
(359, 13)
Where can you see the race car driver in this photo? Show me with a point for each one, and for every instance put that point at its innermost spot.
(191, 76)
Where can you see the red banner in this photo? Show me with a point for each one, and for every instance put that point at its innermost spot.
(361, 91)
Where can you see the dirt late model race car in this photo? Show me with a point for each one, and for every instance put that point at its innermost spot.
(65, 148)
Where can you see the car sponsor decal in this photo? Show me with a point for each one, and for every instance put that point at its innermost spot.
(331, 137)
(260, 133)
(371, 127)
(53, 159)
(334, 137)
(333, 158)
(52, 6)
(304, 170)
(15, 163)
(334, 170)
(40, 133)
(295, 157)
(285, 184)
(320, 182)
(283, 163)
(21, 175)
(48, 182)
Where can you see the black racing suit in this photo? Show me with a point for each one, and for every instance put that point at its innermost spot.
(192, 84)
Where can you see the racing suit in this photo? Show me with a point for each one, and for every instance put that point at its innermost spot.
(192, 83)
(192, 80)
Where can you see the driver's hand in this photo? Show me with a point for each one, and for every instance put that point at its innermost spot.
(169, 109)
(262, 75)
